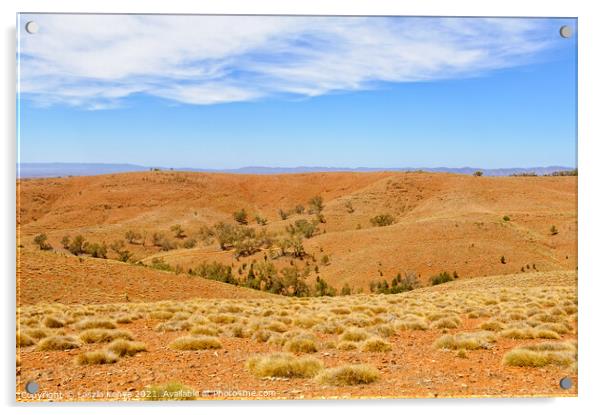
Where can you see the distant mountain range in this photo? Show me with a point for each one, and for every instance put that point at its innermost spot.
(33, 170)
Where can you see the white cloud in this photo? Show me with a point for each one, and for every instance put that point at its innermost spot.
(97, 61)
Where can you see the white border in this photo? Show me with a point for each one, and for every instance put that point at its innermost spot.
(590, 233)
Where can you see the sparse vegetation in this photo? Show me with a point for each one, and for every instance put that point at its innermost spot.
(316, 204)
(133, 237)
(441, 278)
(241, 217)
(41, 240)
(382, 220)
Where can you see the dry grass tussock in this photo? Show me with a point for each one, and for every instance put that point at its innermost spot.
(195, 343)
(283, 365)
(348, 375)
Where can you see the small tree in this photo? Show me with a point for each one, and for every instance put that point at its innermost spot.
(303, 227)
(283, 214)
(261, 220)
(316, 204)
(132, 237)
(478, 173)
(241, 217)
(553, 230)
(346, 290)
(78, 245)
(96, 250)
(41, 240)
(506, 218)
(382, 220)
(503, 259)
(441, 278)
(65, 241)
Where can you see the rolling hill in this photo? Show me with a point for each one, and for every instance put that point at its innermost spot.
(443, 222)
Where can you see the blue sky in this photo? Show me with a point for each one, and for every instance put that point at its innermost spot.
(211, 92)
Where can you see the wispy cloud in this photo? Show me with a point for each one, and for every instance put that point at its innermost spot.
(98, 61)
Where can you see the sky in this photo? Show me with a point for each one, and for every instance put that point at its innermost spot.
(222, 92)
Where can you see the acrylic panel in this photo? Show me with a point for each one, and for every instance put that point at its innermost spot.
(295, 207)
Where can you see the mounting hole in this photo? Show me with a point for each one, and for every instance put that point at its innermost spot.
(566, 383)
(32, 27)
(32, 387)
(566, 31)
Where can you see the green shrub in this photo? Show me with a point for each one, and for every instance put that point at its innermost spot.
(316, 204)
(41, 240)
(382, 220)
(78, 245)
(441, 278)
(241, 217)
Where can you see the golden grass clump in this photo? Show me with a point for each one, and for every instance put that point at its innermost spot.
(348, 375)
(347, 345)
(492, 325)
(277, 326)
(172, 391)
(121, 347)
(301, 344)
(239, 331)
(161, 315)
(96, 357)
(205, 331)
(53, 322)
(104, 335)
(58, 343)
(328, 327)
(354, 335)
(446, 323)
(557, 327)
(124, 319)
(340, 310)
(517, 333)
(222, 318)
(23, 340)
(95, 323)
(195, 343)
(283, 365)
(376, 344)
(174, 325)
(306, 322)
(415, 323)
(262, 336)
(542, 354)
(384, 330)
(467, 341)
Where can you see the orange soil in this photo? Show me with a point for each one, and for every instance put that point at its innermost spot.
(443, 221)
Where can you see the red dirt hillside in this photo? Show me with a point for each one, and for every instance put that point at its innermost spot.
(443, 222)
